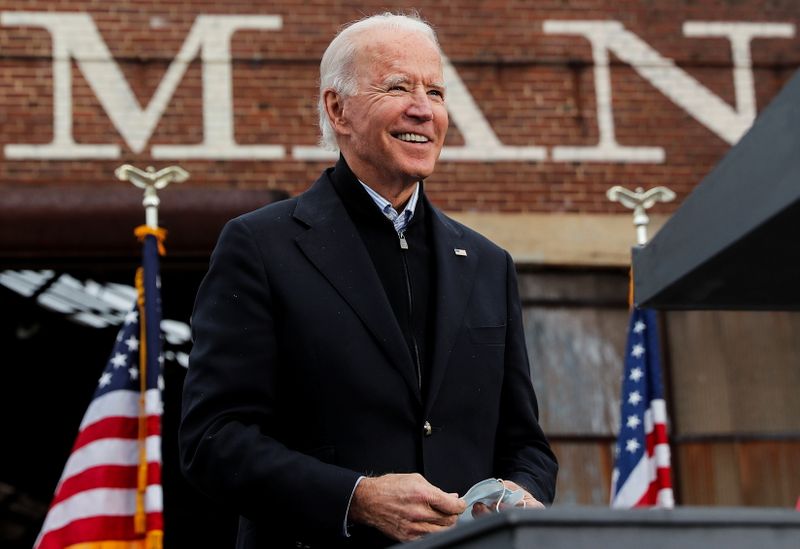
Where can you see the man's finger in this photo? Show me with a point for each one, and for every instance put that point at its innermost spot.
(447, 504)
(532, 503)
(529, 501)
(438, 519)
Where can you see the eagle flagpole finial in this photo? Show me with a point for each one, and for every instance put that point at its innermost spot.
(151, 181)
(640, 201)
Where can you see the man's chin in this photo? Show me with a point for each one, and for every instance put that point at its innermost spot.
(417, 173)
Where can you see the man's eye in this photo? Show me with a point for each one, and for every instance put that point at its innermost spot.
(436, 93)
(398, 88)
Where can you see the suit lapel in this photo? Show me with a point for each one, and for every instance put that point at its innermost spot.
(454, 281)
(333, 245)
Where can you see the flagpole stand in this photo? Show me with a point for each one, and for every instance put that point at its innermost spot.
(151, 181)
(640, 201)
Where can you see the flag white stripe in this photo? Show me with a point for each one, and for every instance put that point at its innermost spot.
(111, 451)
(614, 479)
(638, 482)
(659, 408)
(113, 404)
(665, 498)
(661, 455)
(648, 422)
(152, 402)
(153, 499)
(651, 468)
(635, 486)
(100, 502)
(122, 403)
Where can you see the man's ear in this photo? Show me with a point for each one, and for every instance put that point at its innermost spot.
(334, 107)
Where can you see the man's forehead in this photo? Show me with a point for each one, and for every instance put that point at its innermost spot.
(396, 47)
(387, 36)
(386, 59)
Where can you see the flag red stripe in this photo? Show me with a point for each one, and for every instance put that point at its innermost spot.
(155, 521)
(657, 436)
(663, 478)
(649, 496)
(660, 433)
(116, 427)
(153, 425)
(106, 476)
(98, 529)
(110, 427)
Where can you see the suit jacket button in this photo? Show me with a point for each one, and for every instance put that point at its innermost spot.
(427, 429)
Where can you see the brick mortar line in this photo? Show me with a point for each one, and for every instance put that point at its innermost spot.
(568, 62)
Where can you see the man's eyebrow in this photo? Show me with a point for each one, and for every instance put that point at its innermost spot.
(395, 80)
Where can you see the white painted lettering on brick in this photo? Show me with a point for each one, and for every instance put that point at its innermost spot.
(600, 34)
(740, 36)
(63, 145)
(686, 92)
(75, 36)
(480, 141)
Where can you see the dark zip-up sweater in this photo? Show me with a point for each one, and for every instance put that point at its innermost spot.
(407, 275)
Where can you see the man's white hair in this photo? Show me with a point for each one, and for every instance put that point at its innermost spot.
(337, 70)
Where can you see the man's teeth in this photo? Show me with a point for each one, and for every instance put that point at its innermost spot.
(412, 137)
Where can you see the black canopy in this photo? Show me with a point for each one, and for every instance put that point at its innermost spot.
(735, 241)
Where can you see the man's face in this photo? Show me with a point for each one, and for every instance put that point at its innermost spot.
(393, 128)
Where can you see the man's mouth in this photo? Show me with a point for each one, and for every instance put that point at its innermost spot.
(411, 137)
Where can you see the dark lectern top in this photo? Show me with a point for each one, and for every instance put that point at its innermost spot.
(597, 527)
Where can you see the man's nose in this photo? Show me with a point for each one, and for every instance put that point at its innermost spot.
(420, 107)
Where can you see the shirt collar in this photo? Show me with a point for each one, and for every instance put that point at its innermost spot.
(400, 220)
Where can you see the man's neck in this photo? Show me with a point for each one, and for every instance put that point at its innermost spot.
(397, 193)
(398, 197)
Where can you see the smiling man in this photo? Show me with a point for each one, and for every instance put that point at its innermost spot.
(359, 359)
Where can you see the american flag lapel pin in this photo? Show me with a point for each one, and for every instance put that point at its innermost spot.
(459, 251)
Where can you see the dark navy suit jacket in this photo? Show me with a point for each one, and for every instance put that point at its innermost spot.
(300, 379)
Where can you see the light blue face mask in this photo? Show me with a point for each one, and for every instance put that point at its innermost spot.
(491, 492)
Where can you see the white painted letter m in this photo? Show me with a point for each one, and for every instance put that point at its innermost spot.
(74, 35)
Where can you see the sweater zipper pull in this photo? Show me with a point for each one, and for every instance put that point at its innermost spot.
(403, 241)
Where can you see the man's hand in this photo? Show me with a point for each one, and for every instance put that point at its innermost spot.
(527, 501)
(404, 506)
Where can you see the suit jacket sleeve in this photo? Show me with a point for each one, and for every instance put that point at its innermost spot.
(228, 436)
(522, 453)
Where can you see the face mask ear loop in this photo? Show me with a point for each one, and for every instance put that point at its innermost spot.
(497, 505)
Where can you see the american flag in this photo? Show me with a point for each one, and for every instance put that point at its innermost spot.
(110, 490)
(642, 470)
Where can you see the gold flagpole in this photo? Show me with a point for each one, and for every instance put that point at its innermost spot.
(151, 181)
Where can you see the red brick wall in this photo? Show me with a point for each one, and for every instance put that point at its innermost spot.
(532, 87)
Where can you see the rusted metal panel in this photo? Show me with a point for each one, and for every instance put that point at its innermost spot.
(576, 360)
(587, 288)
(732, 380)
(575, 326)
(734, 372)
(584, 476)
(753, 473)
